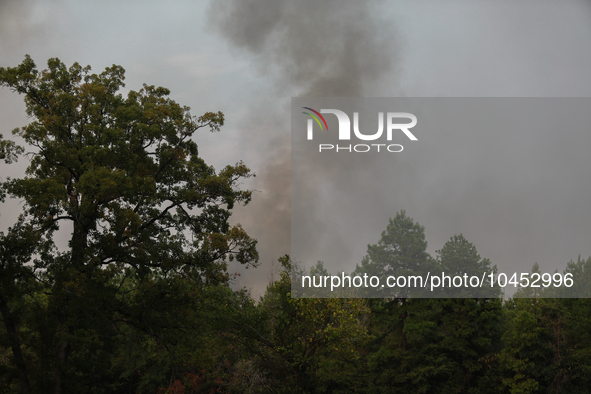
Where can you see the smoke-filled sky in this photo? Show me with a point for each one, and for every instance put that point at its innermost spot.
(247, 58)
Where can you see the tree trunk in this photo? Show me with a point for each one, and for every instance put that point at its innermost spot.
(78, 245)
(60, 374)
(403, 318)
(402, 333)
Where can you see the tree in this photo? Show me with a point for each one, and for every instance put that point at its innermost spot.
(16, 249)
(459, 257)
(307, 344)
(430, 344)
(123, 175)
(401, 251)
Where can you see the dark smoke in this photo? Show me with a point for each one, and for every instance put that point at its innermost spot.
(309, 49)
(322, 49)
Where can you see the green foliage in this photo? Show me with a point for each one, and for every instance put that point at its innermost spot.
(401, 251)
(460, 257)
(312, 343)
(139, 300)
(430, 345)
(147, 217)
(9, 151)
(581, 270)
(546, 345)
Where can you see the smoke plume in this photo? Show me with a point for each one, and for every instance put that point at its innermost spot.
(309, 49)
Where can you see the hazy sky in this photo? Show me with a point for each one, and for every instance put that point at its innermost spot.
(247, 58)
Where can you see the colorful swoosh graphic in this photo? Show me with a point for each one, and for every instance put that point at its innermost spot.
(315, 118)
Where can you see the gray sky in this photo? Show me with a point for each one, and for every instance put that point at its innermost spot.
(247, 58)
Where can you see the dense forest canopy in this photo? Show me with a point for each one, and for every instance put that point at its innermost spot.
(140, 300)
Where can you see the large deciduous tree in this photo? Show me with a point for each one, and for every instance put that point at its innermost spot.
(122, 176)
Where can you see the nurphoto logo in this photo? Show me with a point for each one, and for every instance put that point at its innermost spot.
(392, 125)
